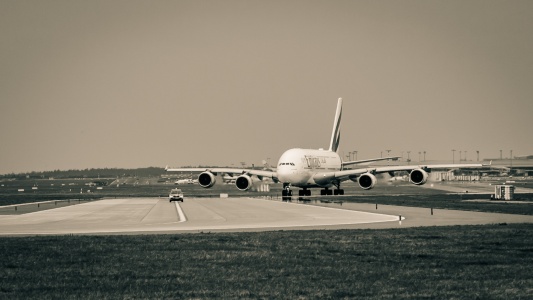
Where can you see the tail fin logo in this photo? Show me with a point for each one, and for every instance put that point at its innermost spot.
(336, 134)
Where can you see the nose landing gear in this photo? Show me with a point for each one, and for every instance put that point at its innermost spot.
(286, 194)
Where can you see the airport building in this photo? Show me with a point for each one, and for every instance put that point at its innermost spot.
(451, 176)
(504, 192)
(516, 166)
(521, 166)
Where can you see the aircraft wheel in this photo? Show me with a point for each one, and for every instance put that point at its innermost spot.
(286, 195)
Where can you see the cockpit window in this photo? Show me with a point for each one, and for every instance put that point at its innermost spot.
(286, 164)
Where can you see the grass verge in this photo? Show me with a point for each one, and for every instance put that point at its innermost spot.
(462, 262)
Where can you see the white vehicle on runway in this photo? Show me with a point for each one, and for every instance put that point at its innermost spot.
(310, 168)
(175, 195)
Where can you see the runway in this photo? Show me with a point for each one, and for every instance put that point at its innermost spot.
(157, 215)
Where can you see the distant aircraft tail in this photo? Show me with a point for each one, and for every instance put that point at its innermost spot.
(336, 134)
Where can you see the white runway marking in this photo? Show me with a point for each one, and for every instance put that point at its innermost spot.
(180, 213)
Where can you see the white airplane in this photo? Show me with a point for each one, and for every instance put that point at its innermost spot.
(311, 168)
(398, 178)
(184, 181)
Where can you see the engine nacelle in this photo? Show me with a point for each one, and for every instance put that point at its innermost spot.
(206, 179)
(367, 181)
(244, 182)
(418, 176)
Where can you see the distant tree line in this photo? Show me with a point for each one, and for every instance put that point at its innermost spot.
(90, 173)
(95, 173)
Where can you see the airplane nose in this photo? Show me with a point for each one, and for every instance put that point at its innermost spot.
(284, 174)
(291, 174)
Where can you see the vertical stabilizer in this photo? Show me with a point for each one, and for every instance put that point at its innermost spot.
(336, 134)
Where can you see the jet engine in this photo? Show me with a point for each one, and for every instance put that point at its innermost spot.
(206, 179)
(243, 182)
(418, 176)
(367, 181)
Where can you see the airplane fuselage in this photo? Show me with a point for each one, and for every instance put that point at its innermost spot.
(298, 166)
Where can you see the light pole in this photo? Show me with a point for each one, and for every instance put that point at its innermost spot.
(419, 155)
(355, 154)
(408, 158)
(465, 156)
(424, 155)
(477, 151)
(453, 156)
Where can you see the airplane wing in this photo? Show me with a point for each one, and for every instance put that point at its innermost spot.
(366, 161)
(231, 171)
(327, 177)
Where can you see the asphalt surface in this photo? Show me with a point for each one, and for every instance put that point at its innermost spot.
(157, 215)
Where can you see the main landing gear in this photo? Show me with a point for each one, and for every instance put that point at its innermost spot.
(286, 193)
(337, 191)
(327, 192)
(304, 192)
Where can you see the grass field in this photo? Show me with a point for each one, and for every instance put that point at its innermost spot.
(468, 262)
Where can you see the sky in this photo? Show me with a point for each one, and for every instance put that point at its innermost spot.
(129, 83)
